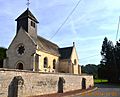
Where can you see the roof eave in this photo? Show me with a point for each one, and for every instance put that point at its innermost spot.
(19, 18)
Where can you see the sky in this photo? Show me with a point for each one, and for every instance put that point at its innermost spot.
(87, 26)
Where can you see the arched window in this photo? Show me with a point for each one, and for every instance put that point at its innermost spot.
(54, 63)
(45, 62)
(75, 61)
(19, 66)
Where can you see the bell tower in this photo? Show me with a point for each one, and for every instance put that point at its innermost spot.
(28, 22)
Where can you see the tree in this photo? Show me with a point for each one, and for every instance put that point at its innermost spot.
(108, 62)
(107, 52)
(104, 51)
(101, 71)
(117, 55)
(90, 69)
(2, 55)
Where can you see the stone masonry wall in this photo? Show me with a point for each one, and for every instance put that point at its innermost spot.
(29, 83)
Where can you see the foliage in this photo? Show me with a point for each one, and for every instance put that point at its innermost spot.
(90, 69)
(110, 61)
(100, 81)
(117, 58)
(2, 55)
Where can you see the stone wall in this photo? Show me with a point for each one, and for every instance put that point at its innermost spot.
(13, 58)
(28, 83)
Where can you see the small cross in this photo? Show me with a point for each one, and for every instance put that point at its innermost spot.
(28, 3)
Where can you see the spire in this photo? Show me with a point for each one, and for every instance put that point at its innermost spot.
(27, 14)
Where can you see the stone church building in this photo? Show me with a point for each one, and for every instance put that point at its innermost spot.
(28, 51)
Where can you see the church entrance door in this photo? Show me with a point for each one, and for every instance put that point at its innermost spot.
(19, 66)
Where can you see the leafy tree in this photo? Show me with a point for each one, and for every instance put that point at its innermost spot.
(2, 55)
(90, 69)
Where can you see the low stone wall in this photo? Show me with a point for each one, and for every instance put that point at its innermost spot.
(28, 83)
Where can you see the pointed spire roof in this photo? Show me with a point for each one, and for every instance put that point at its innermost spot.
(27, 14)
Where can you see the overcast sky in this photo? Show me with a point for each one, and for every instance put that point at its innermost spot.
(87, 26)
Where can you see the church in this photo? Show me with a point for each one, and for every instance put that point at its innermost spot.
(28, 51)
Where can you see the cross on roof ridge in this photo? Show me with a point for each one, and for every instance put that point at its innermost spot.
(28, 3)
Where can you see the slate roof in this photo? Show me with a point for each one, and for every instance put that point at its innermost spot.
(52, 48)
(65, 53)
(25, 14)
(47, 46)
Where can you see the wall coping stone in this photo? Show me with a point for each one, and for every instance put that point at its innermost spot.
(28, 71)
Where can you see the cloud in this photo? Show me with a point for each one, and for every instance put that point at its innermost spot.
(73, 27)
(87, 26)
(112, 4)
(91, 38)
(111, 27)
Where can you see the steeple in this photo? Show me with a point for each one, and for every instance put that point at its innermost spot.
(28, 22)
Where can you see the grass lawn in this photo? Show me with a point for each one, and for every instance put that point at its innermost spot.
(100, 81)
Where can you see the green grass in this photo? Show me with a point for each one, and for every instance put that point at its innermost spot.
(100, 81)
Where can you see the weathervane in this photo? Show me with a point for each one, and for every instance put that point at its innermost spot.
(28, 3)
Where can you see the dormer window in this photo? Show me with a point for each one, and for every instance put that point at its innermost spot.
(32, 24)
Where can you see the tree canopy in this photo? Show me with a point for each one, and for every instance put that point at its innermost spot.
(90, 69)
(110, 63)
(2, 55)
